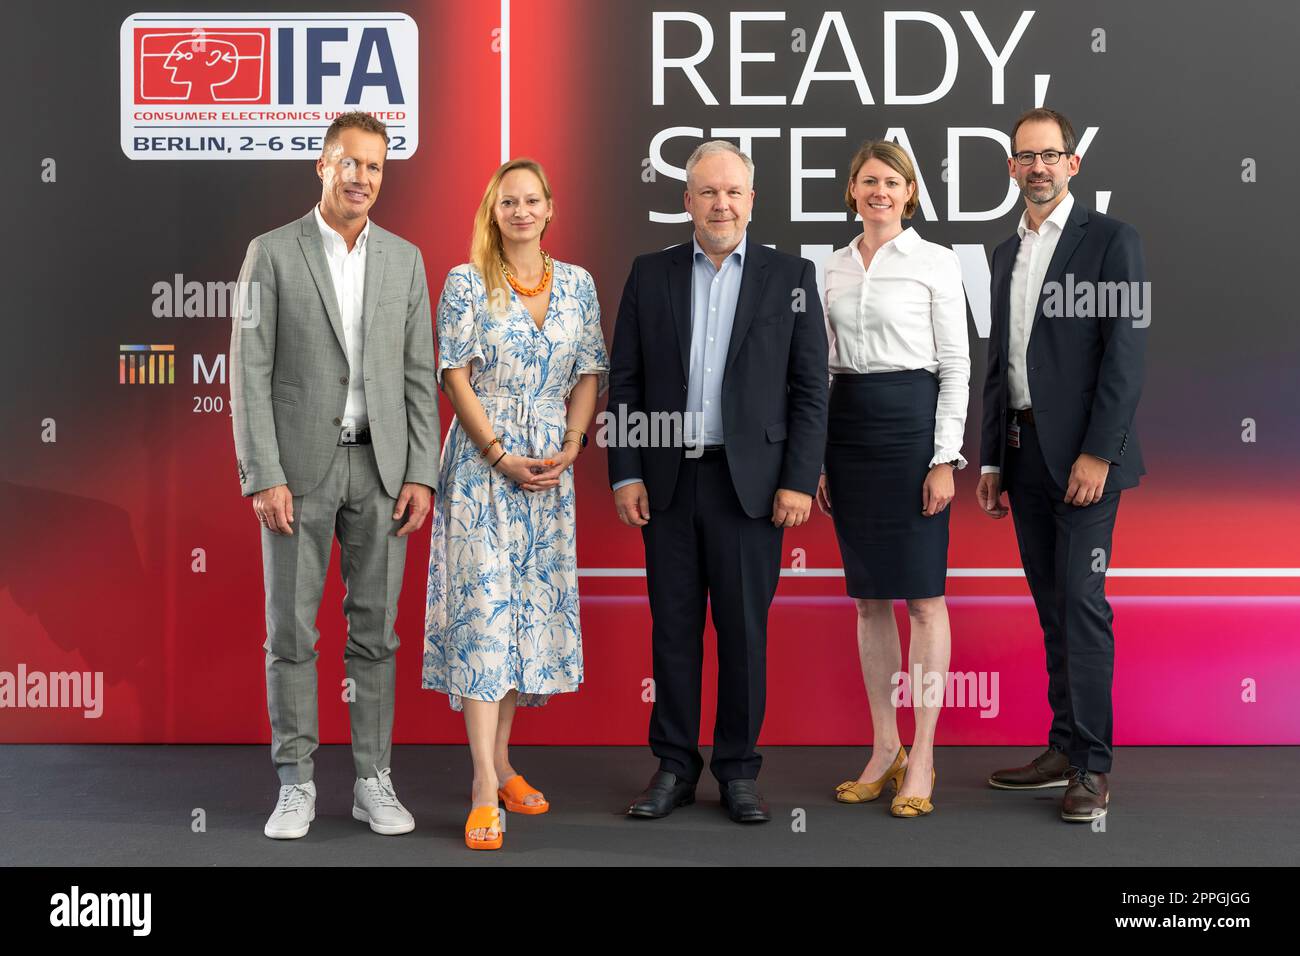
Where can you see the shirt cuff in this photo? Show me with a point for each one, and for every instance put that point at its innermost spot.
(626, 481)
(990, 470)
(943, 457)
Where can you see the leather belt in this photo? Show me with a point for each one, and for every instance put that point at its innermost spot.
(355, 436)
(1021, 416)
(708, 451)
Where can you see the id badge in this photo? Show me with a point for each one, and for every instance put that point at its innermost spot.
(1013, 434)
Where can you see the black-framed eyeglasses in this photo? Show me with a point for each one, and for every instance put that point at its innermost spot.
(1050, 156)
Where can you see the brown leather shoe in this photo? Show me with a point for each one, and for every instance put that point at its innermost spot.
(1086, 798)
(1051, 768)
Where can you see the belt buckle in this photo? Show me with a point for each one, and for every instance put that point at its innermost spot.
(358, 436)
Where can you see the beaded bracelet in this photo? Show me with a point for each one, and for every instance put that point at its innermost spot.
(489, 445)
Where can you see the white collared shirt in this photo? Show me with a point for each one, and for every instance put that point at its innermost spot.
(1027, 274)
(348, 273)
(1032, 260)
(906, 310)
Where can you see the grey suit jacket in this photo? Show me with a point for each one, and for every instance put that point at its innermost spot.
(289, 367)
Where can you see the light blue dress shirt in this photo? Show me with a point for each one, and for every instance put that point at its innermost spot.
(714, 293)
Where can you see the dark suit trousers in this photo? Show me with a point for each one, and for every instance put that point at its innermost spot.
(1063, 547)
(703, 547)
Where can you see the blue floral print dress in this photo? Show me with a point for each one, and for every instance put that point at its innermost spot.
(502, 603)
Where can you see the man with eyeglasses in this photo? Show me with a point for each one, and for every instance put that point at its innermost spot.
(1062, 386)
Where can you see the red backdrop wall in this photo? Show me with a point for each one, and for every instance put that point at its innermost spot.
(101, 526)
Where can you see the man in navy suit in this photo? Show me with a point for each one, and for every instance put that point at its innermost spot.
(1070, 308)
(725, 339)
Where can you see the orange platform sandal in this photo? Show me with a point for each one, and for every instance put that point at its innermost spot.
(514, 792)
(485, 818)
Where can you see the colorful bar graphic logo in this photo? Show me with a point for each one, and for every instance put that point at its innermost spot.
(146, 364)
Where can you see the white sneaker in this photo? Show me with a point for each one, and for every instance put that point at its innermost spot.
(293, 812)
(374, 802)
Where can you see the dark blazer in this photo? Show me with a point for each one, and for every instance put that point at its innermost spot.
(774, 386)
(1085, 374)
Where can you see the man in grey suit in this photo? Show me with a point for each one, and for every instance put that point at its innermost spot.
(336, 433)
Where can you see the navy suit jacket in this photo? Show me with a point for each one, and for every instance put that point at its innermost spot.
(1085, 371)
(774, 385)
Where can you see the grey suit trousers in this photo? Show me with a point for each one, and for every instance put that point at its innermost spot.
(350, 503)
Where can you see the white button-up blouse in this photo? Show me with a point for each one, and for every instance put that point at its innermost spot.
(907, 310)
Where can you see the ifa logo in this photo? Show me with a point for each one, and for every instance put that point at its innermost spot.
(264, 85)
(202, 66)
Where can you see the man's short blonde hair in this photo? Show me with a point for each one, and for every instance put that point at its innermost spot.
(719, 146)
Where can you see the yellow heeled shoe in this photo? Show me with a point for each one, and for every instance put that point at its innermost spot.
(906, 807)
(855, 791)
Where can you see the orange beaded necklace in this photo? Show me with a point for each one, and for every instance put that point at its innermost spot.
(524, 290)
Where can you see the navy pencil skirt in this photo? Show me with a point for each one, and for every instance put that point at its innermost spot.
(880, 439)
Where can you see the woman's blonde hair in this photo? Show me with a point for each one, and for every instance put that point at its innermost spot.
(893, 156)
(485, 249)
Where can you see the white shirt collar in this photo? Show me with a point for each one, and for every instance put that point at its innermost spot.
(738, 251)
(904, 242)
(326, 231)
(1059, 217)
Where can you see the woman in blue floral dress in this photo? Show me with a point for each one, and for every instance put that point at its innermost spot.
(522, 359)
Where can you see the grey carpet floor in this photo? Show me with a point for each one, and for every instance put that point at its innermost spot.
(93, 805)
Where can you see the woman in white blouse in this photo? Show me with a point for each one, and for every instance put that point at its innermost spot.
(900, 365)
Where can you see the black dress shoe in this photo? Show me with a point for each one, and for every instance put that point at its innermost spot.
(743, 803)
(662, 796)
